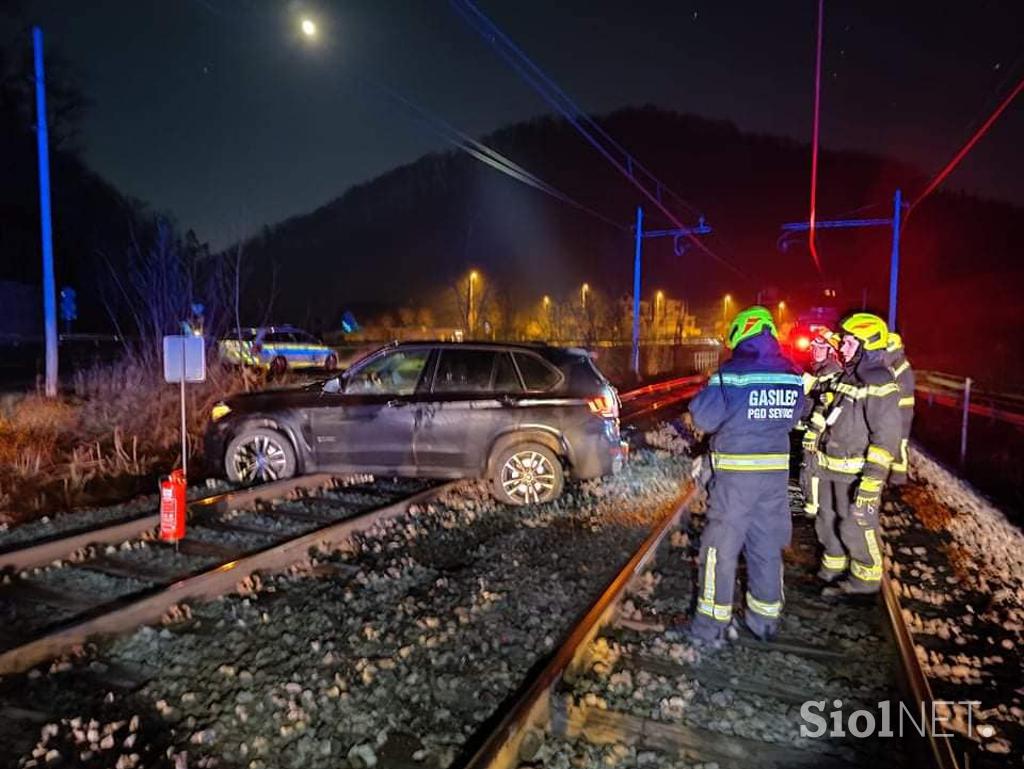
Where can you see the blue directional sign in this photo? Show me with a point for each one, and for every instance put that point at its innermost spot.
(68, 304)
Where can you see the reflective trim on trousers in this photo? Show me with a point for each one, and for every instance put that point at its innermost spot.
(907, 403)
(904, 460)
(770, 609)
(749, 462)
(811, 505)
(835, 562)
(716, 611)
(872, 573)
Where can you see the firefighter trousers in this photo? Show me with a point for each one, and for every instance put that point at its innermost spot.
(849, 535)
(748, 512)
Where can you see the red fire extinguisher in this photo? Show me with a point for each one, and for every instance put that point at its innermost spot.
(172, 506)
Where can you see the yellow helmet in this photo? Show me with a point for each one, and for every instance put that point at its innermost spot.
(895, 342)
(869, 329)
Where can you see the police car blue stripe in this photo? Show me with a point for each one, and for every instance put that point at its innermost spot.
(745, 380)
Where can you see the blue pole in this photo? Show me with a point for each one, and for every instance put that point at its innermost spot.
(49, 290)
(894, 269)
(636, 290)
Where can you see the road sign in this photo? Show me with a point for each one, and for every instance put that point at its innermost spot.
(184, 359)
(68, 305)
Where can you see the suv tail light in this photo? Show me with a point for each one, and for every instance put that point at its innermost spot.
(605, 406)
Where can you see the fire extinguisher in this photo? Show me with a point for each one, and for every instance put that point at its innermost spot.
(172, 506)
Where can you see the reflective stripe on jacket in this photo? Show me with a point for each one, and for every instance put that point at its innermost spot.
(863, 425)
(749, 407)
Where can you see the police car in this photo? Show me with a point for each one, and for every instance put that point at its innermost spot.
(276, 349)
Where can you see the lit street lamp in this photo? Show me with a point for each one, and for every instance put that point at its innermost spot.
(782, 310)
(725, 307)
(470, 319)
(584, 290)
(308, 27)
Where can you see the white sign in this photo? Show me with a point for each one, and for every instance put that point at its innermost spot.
(184, 359)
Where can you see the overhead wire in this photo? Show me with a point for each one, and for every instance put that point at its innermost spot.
(488, 155)
(585, 125)
(967, 147)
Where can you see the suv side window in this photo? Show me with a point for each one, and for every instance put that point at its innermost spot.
(464, 371)
(394, 373)
(506, 378)
(537, 375)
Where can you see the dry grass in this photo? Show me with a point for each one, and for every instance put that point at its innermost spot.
(118, 429)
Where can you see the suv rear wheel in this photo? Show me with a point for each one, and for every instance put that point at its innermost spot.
(259, 455)
(527, 473)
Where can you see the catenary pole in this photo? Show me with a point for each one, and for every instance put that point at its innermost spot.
(49, 288)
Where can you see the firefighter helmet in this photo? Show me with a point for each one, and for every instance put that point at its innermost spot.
(826, 338)
(750, 322)
(869, 329)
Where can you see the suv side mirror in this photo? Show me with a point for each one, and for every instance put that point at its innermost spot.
(333, 385)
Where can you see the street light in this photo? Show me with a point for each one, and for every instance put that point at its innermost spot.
(725, 307)
(782, 310)
(470, 320)
(584, 290)
(308, 27)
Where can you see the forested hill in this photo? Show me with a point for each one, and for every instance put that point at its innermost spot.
(417, 228)
(90, 217)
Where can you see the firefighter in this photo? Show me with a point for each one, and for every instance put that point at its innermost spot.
(825, 367)
(748, 408)
(858, 444)
(896, 359)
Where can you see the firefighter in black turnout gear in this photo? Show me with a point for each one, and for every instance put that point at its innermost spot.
(859, 442)
(896, 359)
(748, 408)
(825, 368)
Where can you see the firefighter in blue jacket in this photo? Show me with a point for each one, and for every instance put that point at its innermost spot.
(748, 408)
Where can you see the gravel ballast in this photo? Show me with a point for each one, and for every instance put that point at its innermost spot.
(400, 645)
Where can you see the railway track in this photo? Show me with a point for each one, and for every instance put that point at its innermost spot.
(93, 588)
(108, 578)
(617, 691)
(620, 692)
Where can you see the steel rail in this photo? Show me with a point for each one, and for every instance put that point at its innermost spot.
(129, 613)
(915, 679)
(530, 705)
(44, 552)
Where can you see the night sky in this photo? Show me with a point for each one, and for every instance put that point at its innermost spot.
(220, 113)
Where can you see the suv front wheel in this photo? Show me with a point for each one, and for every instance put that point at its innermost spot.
(527, 473)
(259, 455)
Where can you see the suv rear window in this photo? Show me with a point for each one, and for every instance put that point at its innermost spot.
(537, 375)
(461, 371)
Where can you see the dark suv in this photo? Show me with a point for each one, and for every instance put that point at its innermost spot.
(522, 416)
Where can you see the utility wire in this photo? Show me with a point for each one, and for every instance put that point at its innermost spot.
(968, 146)
(631, 162)
(489, 156)
(533, 75)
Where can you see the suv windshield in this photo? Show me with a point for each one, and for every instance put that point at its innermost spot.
(393, 373)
